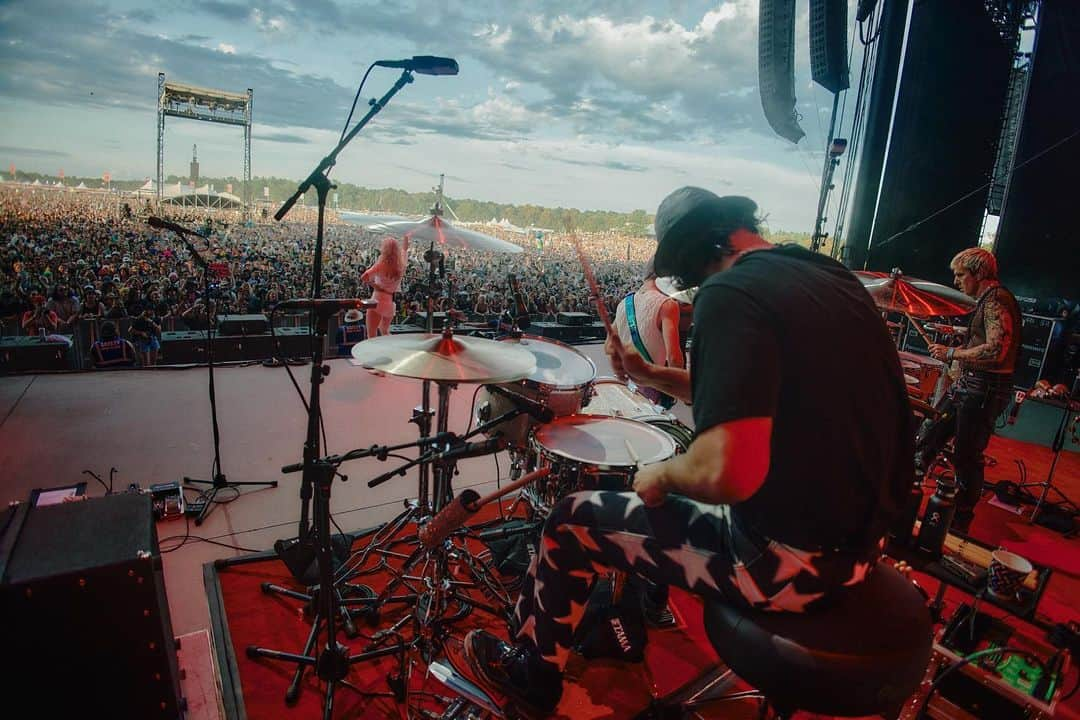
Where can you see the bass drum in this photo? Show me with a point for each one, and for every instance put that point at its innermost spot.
(614, 398)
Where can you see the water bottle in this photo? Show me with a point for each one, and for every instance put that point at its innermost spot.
(41, 334)
(902, 527)
(938, 517)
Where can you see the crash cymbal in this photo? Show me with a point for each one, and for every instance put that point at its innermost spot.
(895, 292)
(442, 357)
(667, 286)
(445, 235)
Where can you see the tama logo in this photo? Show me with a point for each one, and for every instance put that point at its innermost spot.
(620, 635)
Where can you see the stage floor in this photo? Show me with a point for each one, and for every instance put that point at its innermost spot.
(154, 426)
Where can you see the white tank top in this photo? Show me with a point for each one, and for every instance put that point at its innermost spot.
(647, 304)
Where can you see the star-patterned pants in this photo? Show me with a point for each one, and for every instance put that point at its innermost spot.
(685, 543)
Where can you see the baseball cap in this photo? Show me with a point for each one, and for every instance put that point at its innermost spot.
(687, 213)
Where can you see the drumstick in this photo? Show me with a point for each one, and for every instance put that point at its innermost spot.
(919, 328)
(633, 455)
(594, 287)
(454, 515)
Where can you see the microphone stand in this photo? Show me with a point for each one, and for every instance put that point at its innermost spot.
(218, 481)
(319, 179)
(332, 662)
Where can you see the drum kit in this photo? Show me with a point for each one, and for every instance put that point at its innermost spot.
(564, 429)
(915, 302)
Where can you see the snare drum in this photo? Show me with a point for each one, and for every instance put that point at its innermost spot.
(614, 398)
(561, 382)
(589, 452)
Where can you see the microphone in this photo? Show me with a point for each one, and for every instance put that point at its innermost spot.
(423, 64)
(162, 224)
(1015, 409)
(471, 449)
(537, 411)
(946, 329)
(331, 305)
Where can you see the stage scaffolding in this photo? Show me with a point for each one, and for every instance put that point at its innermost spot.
(196, 103)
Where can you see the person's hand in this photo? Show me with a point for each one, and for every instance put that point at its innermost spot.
(939, 352)
(614, 349)
(650, 484)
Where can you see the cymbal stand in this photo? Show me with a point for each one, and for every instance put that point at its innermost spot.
(434, 558)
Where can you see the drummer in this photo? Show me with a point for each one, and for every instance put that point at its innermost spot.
(385, 279)
(787, 490)
(648, 321)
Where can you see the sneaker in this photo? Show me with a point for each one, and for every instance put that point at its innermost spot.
(532, 686)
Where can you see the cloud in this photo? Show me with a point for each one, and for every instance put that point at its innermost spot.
(609, 164)
(226, 49)
(281, 137)
(33, 152)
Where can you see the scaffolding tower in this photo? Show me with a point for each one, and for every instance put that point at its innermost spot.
(196, 103)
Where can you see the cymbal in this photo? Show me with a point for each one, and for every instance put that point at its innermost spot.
(895, 292)
(445, 358)
(667, 286)
(442, 233)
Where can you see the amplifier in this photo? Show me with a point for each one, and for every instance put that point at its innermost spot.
(189, 347)
(30, 354)
(242, 324)
(88, 621)
(573, 318)
(1040, 337)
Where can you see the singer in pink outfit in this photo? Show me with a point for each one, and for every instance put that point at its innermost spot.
(385, 279)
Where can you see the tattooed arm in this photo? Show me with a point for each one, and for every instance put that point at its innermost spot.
(999, 334)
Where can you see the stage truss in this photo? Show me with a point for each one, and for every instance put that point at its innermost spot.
(196, 103)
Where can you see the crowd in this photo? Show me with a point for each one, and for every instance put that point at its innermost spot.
(68, 255)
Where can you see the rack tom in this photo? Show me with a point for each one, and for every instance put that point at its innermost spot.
(615, 398)
(562, 383)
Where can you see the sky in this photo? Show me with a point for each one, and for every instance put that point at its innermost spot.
(593, 104)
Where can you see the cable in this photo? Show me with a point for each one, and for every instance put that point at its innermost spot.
(356, 99)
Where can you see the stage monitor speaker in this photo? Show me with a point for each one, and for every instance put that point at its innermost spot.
(573, 318)
(1040, 339)
(437, 320)
(828, 44)
(88, 626)
(242, 324)
(776, 67)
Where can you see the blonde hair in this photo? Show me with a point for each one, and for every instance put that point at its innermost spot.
(391, 258)
(979, 262)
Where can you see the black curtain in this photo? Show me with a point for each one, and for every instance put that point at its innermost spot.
(944, 137)
(1038, 244)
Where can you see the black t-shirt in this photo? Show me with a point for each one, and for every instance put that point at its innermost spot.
(794, 336)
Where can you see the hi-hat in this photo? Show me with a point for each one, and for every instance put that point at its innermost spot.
(918, 298)
(667, 286)
(447, 358)
(443, 234)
